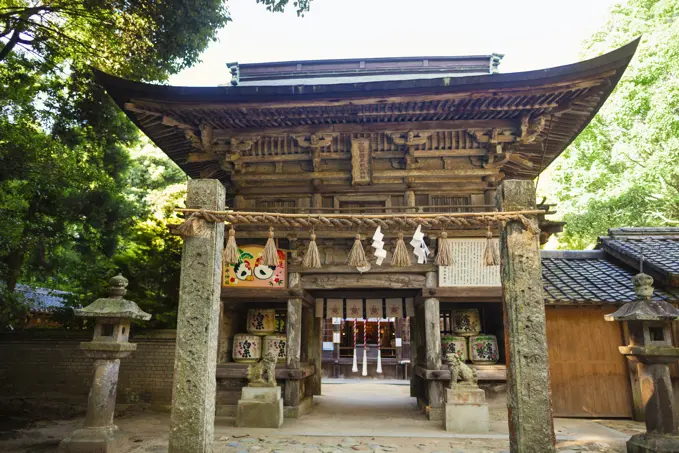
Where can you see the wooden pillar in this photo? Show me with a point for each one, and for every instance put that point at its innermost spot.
(227, 317)
(315, 354)
(291, 395)
(638, 409)
(531, 428)
(194, 386)
(413, 357)
(432, 330)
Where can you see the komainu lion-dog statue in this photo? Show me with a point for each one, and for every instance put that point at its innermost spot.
(460, 370)
(266, 365)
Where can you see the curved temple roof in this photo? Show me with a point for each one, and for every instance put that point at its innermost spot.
(536, 113)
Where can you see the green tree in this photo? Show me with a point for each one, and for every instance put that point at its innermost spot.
(623, 170)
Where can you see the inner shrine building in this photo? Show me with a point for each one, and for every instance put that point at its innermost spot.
(332, 149)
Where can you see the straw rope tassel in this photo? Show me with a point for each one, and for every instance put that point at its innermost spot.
(491, 256)
(193, 226)
(354, 368)
(312, 259)
(401, 257)
(230, 253)
(270, 253)
(357, 254)
(365, 349)
(444, 255)
(379, 347)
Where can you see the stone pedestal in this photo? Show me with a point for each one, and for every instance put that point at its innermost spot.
(94, 440)
(260, 407)
(466, 410)
(649, 443)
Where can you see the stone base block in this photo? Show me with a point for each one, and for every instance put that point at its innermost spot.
(260, 407)
(435, 413)
(264, 394)
(94, 440)
(648, 443)
(466, 411)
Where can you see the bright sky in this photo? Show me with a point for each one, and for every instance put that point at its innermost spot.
(532, 34)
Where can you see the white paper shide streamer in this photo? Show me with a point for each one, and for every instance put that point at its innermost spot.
(378, 245)
(420, 249)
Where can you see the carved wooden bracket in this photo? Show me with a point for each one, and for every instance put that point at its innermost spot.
(410, 140)
(238, 145)
(531, 128)
(315, 142)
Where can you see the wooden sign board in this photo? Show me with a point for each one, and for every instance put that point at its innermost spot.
(361, 161)
(468, 268)
(250, 272)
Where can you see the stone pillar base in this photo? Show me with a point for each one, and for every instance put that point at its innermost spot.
(649, 443)
(466, 410)
(260, 407)
(94, 440)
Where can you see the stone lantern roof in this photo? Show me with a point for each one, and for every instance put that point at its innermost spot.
(114, 306)
(644, 309)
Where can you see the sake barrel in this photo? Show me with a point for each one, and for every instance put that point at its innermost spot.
(278, 342)
(261, 322)
(247, 348)
(451, 344)
(483, 349)
(466, 323)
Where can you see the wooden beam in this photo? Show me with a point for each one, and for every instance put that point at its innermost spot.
(203, 157)
(384, 269)
(470, 292)
(377, 174)
(240, 370)
(336, 281)
(362, 128)
(483, 372)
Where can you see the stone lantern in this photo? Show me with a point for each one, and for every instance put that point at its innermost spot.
(650, 347)
(112, 316)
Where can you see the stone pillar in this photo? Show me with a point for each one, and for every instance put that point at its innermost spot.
(531, 428)
(101, 403)
(193, 396)
(294, 331)
(432, 330)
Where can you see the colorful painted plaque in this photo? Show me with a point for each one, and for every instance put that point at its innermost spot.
(250, 272)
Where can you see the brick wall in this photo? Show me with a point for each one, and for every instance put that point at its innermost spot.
(47, 366)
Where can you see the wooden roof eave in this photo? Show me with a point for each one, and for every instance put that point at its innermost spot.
(122, 89)
(603, 71)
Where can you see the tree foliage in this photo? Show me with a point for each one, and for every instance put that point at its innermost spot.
(623, 170)
(80, 197)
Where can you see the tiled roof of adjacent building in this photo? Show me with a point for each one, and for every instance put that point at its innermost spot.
(42, 299)
(582, 276)
(658, 246)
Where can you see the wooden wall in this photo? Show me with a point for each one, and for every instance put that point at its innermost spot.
(589, 375)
